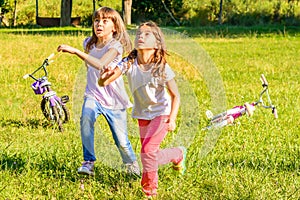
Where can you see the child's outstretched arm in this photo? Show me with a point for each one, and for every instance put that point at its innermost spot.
(94, 62)
(108, 75)
(175, 96)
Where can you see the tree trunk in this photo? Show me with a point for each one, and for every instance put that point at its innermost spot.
(36, 9)
(15, 13)
(220, 12)
(127, 11)
(65, 12)
(0, 16)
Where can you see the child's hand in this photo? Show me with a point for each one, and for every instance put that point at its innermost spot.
(106, 72)
(66, 48)
(172, 125)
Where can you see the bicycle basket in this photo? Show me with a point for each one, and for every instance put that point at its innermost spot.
(39, 86)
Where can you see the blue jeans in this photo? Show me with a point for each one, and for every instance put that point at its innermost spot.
(117, 121)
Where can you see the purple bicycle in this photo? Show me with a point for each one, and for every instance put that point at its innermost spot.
(228, 117)
(53, 107)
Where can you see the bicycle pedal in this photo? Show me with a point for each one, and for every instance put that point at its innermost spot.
(65, 98)
(209, 114)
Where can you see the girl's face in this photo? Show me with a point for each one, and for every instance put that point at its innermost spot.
(104, 28)
(145, 38)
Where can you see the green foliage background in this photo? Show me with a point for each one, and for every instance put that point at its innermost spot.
(186, 12)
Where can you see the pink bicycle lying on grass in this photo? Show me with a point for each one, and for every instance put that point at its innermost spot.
(228, 117)
(53, 107)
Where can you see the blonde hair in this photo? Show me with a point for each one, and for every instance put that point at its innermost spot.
(159, 56)
(120, 34)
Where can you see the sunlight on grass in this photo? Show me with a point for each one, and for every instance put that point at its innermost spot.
(258, 158)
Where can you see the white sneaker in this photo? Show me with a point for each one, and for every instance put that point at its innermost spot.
(87, 168)
(133, 168)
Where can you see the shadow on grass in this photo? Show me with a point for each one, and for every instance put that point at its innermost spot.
(53, 168)
(31, 123)
(53, 165)
(14, 162)
(110, 177)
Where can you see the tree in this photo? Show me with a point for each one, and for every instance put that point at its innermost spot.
(163, 12)
(65, 12)
(4, 8)
(220, 11)
(126, 9)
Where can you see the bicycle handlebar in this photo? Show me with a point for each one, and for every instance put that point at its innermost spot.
(275, 113)
(264, 80)
(51, 56)
(265, 85)
(26, 76)
(46, 62)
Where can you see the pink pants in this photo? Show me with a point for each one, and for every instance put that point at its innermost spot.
(152, 133)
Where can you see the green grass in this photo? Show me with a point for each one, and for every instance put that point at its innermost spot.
(258, 158)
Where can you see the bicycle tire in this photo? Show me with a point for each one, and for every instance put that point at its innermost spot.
(57, 118)
(62, 110)
(58, 114)
(45, 106)
(66, 113)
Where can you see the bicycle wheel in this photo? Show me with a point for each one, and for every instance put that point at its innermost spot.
(57, 114)
(64, 113)
(47, 112)
(57, 118)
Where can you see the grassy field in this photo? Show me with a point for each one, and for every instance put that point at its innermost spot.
(258, 158)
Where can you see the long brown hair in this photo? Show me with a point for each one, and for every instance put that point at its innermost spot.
(120, 34)
(159, 57)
